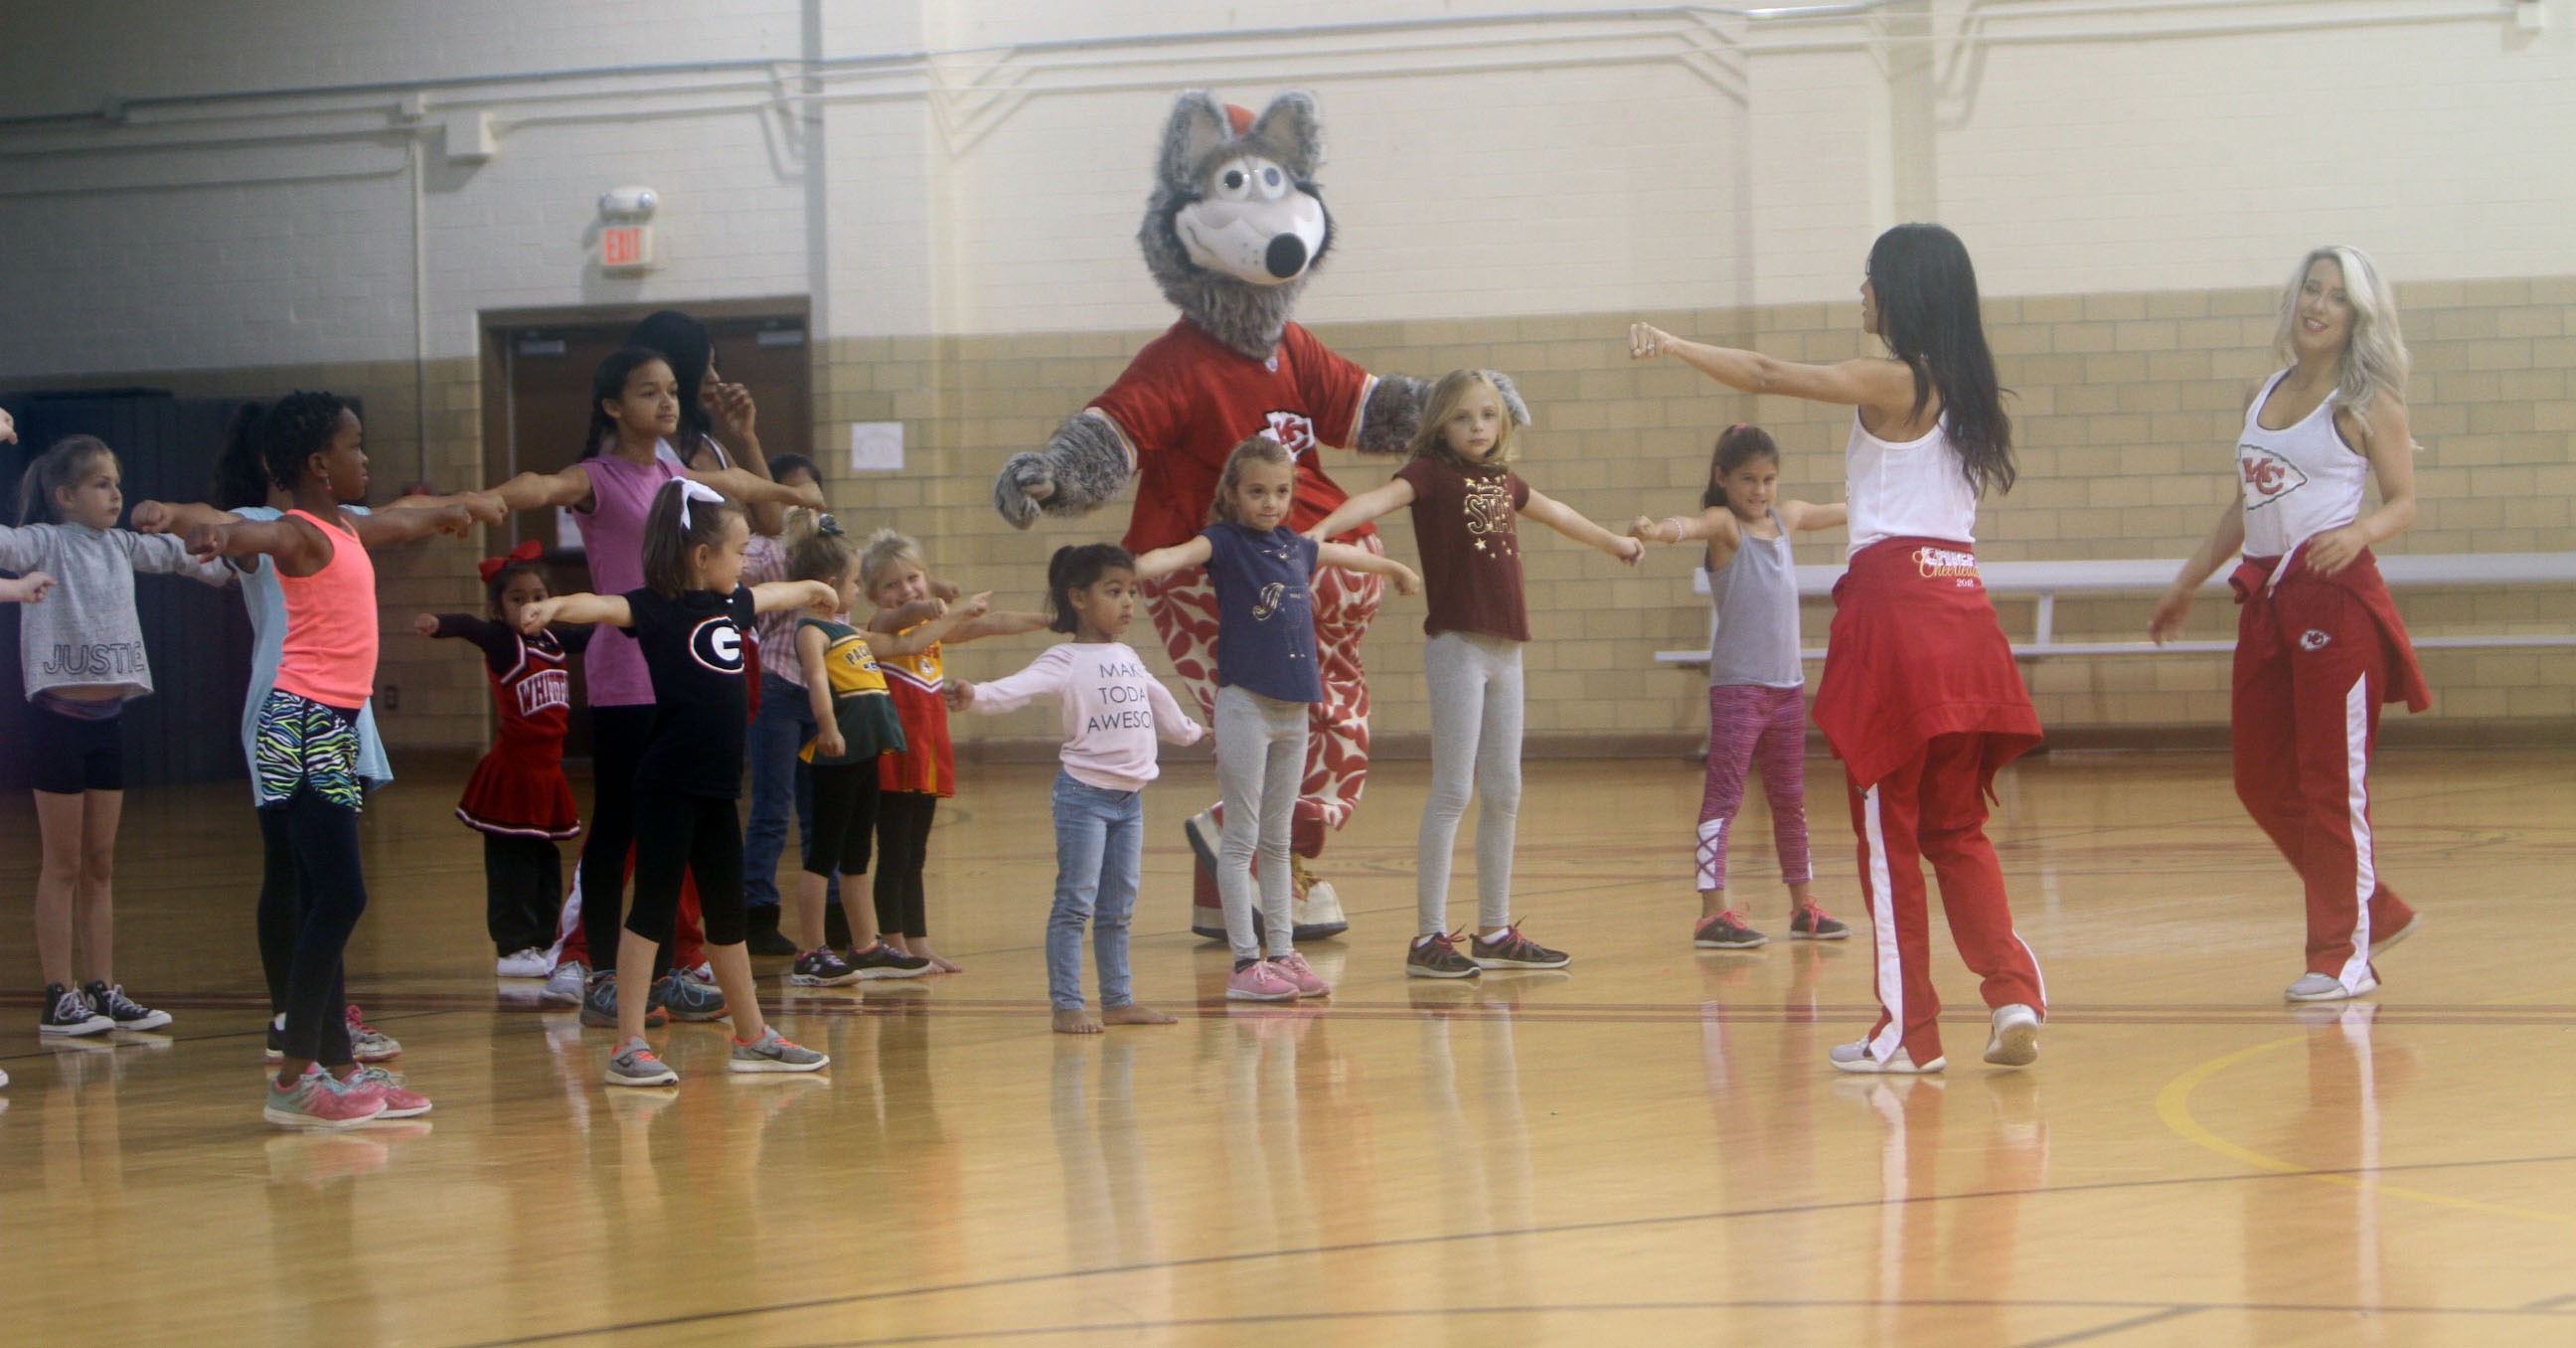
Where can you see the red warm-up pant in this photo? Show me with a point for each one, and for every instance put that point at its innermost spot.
(1932, 808)
(2312, 666)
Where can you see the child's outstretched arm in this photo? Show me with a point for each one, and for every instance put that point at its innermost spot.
(1175, 559)
(913, 614)
(995, 625)
(1170, 722)
(299, 548)
(27, 589)
(754, 490)
(577, 607)
(393, 528)
(1046, 676)
(1557, 515)
(772, 595)
(176, 517)
(1806, 516)
(919, 639)
(1349, 558)
(1363, 508)
(1714, 523)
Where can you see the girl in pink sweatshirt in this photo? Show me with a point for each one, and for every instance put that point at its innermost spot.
(1113, 712)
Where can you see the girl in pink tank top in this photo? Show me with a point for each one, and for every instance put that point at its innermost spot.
(305, 761)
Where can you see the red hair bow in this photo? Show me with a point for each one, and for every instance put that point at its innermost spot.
(525, 552)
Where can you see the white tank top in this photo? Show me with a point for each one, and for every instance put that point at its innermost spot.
(1912, 490)
(2299, 482)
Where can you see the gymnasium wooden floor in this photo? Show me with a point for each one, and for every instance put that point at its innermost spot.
(1648, 1148)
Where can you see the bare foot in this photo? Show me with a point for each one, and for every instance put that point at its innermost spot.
(1136, 1013)
(939, 963)
(1077, 1022)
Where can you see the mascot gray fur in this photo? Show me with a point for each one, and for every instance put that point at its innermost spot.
(1233, 231)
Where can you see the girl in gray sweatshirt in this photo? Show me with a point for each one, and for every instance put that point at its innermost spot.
(82, 654)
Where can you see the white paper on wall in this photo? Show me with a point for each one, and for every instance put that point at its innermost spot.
(876, 446)
(567, 533)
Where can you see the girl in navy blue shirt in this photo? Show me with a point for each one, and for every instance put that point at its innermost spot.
(1267, 684)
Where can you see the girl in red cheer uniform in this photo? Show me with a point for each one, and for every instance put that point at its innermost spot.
(2318, 643)
(1920, 698)
(518, 798)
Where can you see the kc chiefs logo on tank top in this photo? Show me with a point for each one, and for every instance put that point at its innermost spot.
(2268, 476)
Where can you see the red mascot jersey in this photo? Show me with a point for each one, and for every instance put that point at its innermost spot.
(1186, 401)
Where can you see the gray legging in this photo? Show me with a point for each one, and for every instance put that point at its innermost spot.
(1475, 741)
(1260, 763)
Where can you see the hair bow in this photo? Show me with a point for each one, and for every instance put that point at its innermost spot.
(525, 552)
(828, 527)
(693, 490)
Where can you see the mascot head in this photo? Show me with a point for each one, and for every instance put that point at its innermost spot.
(1236, 224)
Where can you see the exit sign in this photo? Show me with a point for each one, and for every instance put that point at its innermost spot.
(625, 247)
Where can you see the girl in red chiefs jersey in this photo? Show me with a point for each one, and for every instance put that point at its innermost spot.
(2318, 643)
(1921, 699)
(518, 798)
(914, 779)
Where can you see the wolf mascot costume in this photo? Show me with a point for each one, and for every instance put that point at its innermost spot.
(1235, 227)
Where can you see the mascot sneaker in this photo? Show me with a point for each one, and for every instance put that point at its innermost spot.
(1315, 908)
(1207, 913)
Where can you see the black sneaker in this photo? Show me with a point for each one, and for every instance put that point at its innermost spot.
(1437, 956)
(822, 968)
(1515, 951)
(127, 1013)
(884, 961)
(67, 1014)
(764, 938)
(1727, 931)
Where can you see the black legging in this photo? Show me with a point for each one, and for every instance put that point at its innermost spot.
(522, 892)
(281, 920)
(845, 818)
(333, 890)
(617, 739)
(677, 836)
(903, 848)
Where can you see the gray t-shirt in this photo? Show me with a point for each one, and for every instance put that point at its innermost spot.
(85, 634)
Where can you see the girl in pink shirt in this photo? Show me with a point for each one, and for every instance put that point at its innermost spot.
(1113, 713)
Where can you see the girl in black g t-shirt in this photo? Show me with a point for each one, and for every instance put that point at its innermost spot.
(692, 621)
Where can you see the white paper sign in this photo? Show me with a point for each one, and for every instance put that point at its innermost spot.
(876, 446)
(567, 532)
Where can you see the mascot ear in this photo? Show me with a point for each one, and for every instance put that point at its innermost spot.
(1513, 407)
(1198, 126)
(1289, 134)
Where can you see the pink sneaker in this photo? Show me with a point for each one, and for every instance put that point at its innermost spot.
(400, 1101)
(317, 1101)
(1260, 981)
(1309, 984)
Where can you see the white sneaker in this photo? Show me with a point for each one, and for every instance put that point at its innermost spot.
(1855, 1057)
(2015, 1041)
(528, 963)
(564, 987)
(2326, 988)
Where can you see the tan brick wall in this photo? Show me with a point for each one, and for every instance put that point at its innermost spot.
(2126, 412)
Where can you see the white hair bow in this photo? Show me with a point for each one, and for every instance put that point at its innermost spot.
(694, 490)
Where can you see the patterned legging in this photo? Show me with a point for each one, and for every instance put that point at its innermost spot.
(1749, 726)
(1183, 607)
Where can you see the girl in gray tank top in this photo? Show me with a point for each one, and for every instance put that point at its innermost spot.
(1757, 686)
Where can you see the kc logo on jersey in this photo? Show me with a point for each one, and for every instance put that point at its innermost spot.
(2268, 476)
(1294, 431)
(2314, 640)
(717, 644)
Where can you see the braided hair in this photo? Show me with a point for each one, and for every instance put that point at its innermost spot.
(270, 443)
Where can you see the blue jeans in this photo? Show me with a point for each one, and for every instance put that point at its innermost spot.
(778, 780)
(1099, 844)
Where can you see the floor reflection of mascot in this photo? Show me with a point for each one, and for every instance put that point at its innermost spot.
(1233, 230)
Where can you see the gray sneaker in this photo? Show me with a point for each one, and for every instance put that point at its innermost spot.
(565, 985)
(688, 999)
(771, 1053)
(634, 1064)
(599, 1004)
(2326, 988)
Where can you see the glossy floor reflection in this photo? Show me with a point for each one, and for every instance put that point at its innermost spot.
(1647, 1148)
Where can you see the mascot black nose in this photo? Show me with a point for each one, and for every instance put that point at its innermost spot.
(1287, 256)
